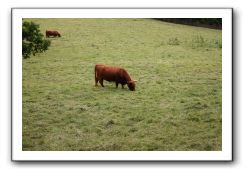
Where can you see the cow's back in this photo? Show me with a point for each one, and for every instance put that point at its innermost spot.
(110, 73)
(52, 33)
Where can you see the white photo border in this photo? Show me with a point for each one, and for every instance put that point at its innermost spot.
(227, 134)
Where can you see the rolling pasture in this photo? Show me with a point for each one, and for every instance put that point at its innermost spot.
(176, 105)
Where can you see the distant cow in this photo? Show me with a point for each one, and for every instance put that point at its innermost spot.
(52, 33)
(113, 74)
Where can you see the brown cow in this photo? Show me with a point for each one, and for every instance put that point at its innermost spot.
(113, 74)
(50, 33)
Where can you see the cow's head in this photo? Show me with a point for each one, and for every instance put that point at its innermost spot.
(132, 85)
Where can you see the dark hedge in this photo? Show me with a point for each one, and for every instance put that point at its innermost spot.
(215, 23)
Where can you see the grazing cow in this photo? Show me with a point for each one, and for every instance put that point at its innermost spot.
(50, 33)
(113, 74)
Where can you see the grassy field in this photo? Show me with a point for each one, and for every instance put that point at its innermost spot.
(176, 105)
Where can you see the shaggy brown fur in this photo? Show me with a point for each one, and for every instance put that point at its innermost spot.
(50, 33)
(113, 74)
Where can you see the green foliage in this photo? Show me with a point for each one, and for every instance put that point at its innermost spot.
(211, 22)
(178, 98)
(32, 40)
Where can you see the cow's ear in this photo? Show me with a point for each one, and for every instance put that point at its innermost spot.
(135, 80)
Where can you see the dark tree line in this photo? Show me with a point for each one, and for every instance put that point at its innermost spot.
(204, 22)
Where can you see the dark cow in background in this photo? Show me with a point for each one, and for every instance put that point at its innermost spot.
(113, 74)
(52, 33)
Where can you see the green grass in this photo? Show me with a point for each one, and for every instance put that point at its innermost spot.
(176, 105)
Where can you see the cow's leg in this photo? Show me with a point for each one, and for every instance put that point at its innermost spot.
(122, 86)
(96, 81)
(96, 77)
(117, 84)
(101, 82)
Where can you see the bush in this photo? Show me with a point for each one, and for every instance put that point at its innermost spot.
(32, 40)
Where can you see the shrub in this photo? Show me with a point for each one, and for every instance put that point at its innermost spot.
(32, 40)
